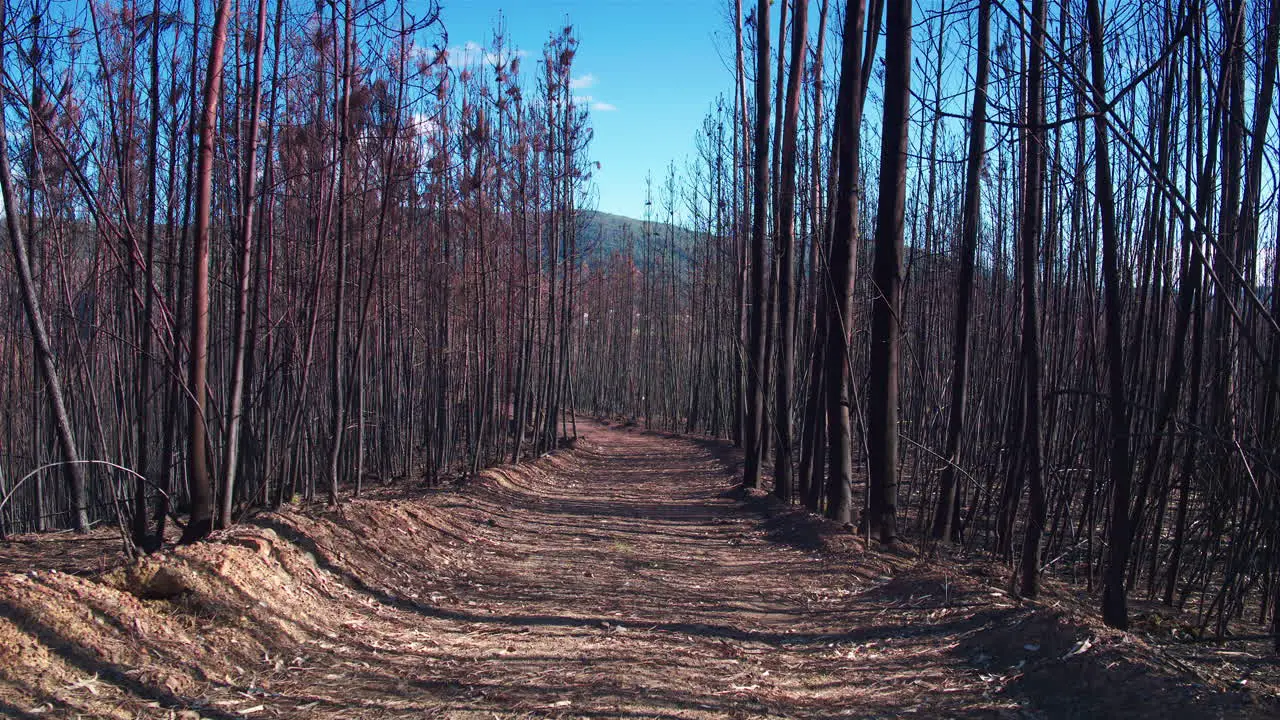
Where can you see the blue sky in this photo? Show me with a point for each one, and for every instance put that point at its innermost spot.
(660, 64)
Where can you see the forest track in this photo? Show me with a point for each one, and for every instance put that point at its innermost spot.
(624, 579)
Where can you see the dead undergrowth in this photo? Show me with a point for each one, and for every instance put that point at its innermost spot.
(621, 579)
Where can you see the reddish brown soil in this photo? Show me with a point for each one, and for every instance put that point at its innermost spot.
(622, 580)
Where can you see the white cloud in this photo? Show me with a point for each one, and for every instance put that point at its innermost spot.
(582, 82)
(596, 105)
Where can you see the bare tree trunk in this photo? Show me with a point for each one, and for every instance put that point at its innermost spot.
(739, 232)
(841, 266)
(1029, 243)
(248, 189)
(943, 528)
(756, 350)
(141, 524)
(175, 287)
(785, 382)
(886, 305)
(199, 480)
(337, 426)
(1119, 537)
(813, 431)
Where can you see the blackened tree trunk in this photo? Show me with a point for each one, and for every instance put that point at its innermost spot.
(1029, 246)
(738, 189)
(813, 432)
(886, 305)
(338, 420)
(785, 380)
(943, 527)
(841, 266)
(249, 184)
(141, 531)
(759, 292)
(1114, 611)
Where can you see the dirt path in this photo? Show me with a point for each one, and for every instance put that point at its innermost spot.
(624, 580)
(629, 584)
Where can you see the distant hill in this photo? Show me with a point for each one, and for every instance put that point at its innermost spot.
(601, 234)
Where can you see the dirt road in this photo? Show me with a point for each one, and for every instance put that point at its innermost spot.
(622, 580)
(630, 583)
